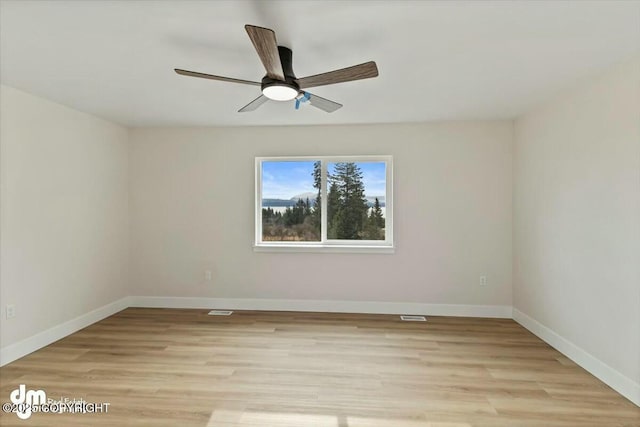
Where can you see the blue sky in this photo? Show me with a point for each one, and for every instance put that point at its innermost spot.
(284, 180)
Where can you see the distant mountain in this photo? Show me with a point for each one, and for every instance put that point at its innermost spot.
(304, 196)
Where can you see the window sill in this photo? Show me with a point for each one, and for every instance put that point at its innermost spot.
(340, 249)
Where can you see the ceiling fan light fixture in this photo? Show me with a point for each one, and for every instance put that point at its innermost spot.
(280, 83)
(280, 92)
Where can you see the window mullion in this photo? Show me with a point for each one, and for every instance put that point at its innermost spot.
(323, 201)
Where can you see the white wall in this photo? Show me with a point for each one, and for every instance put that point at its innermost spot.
(63, 217)
(577, 220)
(192, 209)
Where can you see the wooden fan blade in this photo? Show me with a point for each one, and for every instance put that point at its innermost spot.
(212, 77)
(322, 103)
(253, 105)
(264, 41)
(357, 72)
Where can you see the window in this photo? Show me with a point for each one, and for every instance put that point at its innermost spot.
(324, 204)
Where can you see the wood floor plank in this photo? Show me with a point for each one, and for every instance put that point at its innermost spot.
(166, 367)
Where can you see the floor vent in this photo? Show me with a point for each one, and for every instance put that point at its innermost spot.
(220, 313)
(413, 318)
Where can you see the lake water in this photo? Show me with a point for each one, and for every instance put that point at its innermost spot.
(284, 208)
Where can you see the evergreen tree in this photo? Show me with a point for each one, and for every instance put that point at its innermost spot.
(288, 217)
(349, 215)
(316, 215)
(376, 214)
(333, 206)
(374, 229)
(307, 208)
(293, 215)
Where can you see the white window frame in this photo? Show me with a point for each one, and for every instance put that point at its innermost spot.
(325, 244)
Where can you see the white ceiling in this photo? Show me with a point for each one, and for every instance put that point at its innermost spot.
(437, 60)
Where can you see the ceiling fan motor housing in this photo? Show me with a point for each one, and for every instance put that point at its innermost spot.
(286, 59)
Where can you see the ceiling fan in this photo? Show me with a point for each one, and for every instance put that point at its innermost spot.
(280, 83)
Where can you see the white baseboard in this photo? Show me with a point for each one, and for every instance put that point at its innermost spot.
(15, 351)
(614, 379)
(369, 307)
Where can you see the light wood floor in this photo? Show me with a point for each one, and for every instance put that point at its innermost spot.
(159, 367)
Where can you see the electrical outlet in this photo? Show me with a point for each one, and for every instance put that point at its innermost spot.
(207, 275)
(10, 311)
(483, 280)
